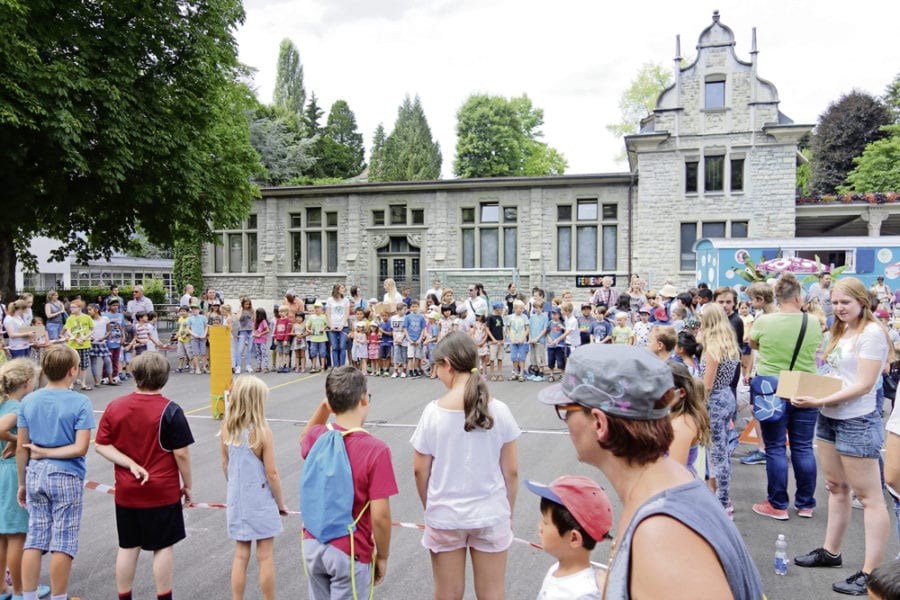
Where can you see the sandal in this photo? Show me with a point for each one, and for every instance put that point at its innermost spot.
(521, 378)
(551, 378)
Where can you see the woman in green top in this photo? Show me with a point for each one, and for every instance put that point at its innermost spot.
(775, 336)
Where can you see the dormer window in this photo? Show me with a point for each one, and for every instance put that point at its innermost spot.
(715, 91)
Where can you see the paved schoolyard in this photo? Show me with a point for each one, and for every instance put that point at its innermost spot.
(203, 560)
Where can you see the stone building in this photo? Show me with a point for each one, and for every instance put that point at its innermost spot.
(715, 159)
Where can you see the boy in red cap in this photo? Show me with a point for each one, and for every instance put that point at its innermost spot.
(575, 515)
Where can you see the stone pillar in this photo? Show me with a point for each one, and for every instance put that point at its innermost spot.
(874, 216)
(267, 250)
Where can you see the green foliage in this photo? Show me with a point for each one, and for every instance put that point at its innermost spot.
(187, 264)
(153, 289)
(409, 152)
(312, 115)
(497, 137)
(118, 115)
(892, 97)
(281, 140)
(639, 98)
(376, 158)
(289, 93)
(820, 268)
(844, 130)
(878, 169)
(803, 173)
(307, 180)
(340, 150)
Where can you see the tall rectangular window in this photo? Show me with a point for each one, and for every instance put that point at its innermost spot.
(489, 248)
(737, 174)
(688, 237)
(332, 242)
(468, 248)
(314, 251)
(564, 248)
(235, 253)
(219, 255)
(398, 214)
(610, 247)
(586, 259)
(714, 175)
(251, 253)
(510, 246)
(690, 177)
(296, 251)
(715, 94)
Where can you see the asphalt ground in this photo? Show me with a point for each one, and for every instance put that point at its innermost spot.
(203, 560)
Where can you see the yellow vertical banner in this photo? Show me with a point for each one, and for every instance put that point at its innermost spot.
(219, 368)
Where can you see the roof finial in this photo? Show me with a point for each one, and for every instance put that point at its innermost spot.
(716, 16)
(753, 49)
(678, 48)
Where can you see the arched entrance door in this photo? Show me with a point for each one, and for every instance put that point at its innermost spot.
(399, 258)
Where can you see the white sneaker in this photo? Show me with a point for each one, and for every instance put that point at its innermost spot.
(394, 375)
(249, 369)
(104, 381)
(237, 371)
(403, 374)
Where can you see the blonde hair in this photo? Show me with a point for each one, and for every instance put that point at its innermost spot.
(246, 412)
(14, 375)
(518, 303)
(225, 309)
(567, 308)
(854, 288)
(719, 340)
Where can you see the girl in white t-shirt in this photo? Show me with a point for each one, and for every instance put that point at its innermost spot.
(850, 433)
(466, 468)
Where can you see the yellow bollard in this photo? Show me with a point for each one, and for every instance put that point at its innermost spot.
(219, 368)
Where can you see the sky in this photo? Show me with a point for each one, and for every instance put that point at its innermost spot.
(573, 58)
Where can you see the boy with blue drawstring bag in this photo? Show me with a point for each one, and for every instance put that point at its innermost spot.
(345, 488)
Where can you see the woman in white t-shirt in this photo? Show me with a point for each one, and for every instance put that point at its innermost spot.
(850, 433)
(19, 342)
(337, 311)
(466, 471)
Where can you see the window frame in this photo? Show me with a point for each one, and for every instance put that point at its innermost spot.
(573, 223)
(715, 80)
(325, 233)
(698, 235)
(220, 254)
(474, 229)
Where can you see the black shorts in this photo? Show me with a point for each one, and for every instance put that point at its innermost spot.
(150, 528)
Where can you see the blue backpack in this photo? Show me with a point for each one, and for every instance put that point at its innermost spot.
(326, 488)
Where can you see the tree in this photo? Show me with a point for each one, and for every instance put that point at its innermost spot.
(114, 118)
(892, 97)
(497, 137)
(410, 154)
(187, 264)
(289, 93)
(878, 169)
(342, 153)
(376, 158)
(639, 98)
(845, 128)
(280, 139)
(311, 116)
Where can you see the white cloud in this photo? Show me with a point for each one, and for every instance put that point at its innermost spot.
(572, 58)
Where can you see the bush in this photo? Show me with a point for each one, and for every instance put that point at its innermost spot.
(153, 289)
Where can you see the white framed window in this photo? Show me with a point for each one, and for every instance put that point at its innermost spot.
(490, 236)
(236, 250)
(587, 236)
(714, 91)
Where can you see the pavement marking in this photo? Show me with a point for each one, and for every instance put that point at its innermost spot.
(281, 385)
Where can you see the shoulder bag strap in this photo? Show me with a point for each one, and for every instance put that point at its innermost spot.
(799, 341)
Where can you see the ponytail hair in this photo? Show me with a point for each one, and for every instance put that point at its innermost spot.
(460, 352)
(15, 374)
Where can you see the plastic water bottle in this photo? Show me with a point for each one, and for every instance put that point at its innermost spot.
(781, 559)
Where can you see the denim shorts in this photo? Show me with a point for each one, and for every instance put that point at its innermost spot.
(861, 437)
(518, 352)
(317, 350)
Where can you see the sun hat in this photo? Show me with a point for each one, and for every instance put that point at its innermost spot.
(582, 497)
(625, 381)
(497, 304)
(668, 291)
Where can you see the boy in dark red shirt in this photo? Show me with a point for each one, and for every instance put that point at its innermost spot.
(147, 436)
(282, 339)
(373, 482)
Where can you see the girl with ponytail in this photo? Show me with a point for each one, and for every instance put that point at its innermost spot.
(466, 471)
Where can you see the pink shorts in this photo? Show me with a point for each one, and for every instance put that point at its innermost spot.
(485, 539)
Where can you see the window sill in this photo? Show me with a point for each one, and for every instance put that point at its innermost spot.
(717, 110)
(248, 274)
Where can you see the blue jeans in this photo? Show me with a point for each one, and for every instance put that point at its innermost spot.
(53, 330)
(243, 343)
(800, 425)
(338, 341)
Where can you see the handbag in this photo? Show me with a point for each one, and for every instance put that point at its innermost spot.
(766, 405)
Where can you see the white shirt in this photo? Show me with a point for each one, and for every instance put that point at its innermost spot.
(338, 311)
(473, 306)
(573, 339)
(577, 586)
(100, 327)
(14, 324)
(466, 489)
(843, 360)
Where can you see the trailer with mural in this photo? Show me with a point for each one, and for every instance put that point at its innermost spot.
(865, 258)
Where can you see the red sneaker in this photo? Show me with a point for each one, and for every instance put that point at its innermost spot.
(767, 510)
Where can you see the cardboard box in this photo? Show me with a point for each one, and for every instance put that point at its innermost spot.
(797, 383)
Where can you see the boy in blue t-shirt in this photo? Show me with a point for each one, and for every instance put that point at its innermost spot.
(537, 338)
(54, 435)
(414, 324)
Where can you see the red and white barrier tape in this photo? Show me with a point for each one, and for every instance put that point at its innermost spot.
(108, 489)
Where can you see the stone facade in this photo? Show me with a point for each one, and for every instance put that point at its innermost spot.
(719, 116)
